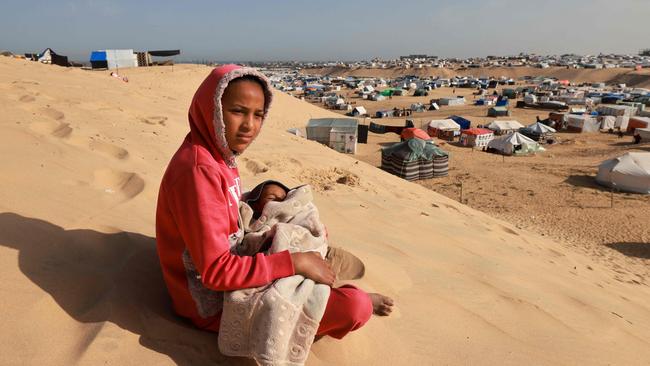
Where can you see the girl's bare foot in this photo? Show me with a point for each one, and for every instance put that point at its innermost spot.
(381, 305)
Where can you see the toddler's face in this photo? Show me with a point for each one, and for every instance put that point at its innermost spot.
(271, 192)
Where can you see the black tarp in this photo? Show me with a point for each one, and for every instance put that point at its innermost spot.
(165, 53)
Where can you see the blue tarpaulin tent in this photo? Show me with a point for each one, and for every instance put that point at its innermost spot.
(98, 60)
(464, 123)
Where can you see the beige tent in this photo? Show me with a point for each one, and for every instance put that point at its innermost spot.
(629, 172)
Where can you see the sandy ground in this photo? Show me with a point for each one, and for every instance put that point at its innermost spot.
(82, 157)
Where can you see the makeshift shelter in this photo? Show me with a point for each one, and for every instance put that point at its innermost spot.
(113, 59)
(384, 113)
(498, 112)
(476, 137)
(582, 123)
(48, 56)
(644, 133)
(608, 122)
(504, 127)
(637, 122)
(415, 159)
(421, 93)
(359, 111)
(417, 107)
(452, 101)
(165, 53)
(412, 132)
(514, 143)
(338, 133)
(629, 172)
(445, 129)
(616, 110)
(462, 122)
(538, 132)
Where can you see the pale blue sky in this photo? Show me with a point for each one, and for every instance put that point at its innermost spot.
(261, 30)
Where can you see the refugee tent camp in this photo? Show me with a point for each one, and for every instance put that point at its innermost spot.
(514, 143)
(629, 172)
(538, 132)
(113, 59)
(338, 133)
(476, 137)
(445, 129)
(616, 110)
(582, 123)
(415, 159)
(502, 127)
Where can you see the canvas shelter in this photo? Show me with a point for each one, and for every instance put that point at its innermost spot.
(48, 56)
(339, 134)
(476, 137)
(445, 129)
(415, 159)
(637, 122)
(582, 123)
(644, 133)
(462, 122)
(452, 101)
(538, 132)
(616, 110)
(629, 172)
(514, 144)
(113, 59)
(417, 107)
(359, 111)
(498, 112)
(412, 132)
(608, 122)
(502, 127)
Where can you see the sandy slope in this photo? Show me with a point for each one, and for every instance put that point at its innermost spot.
(640, 79)
(82, 155)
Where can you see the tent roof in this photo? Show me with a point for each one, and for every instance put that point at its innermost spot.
(413, 149)
(165, 53)
(505, 125)
(477, 131)
(444, 124)
(412, 132)
(333, 122)
(540, 128)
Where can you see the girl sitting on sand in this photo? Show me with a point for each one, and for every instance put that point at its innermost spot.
(197, 213)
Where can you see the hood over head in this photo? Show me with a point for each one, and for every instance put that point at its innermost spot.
(206, 116)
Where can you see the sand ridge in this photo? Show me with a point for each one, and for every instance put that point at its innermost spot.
(79, 262)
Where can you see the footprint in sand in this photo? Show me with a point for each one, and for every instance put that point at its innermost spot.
(509, 230)
(108, 149)
(256, 167)
(27, 98)
(52, 113)
(56, 129)
(125, 185)
(154, 120)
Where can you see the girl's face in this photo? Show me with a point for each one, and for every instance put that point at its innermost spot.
(243, 110)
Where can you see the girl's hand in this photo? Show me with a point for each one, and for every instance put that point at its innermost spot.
(313, 266)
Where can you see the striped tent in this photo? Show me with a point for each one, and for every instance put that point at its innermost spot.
(415, 159)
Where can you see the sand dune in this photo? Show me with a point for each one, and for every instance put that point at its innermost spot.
(640, 79)
(81, 281)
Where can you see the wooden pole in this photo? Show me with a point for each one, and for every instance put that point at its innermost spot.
(461, 191)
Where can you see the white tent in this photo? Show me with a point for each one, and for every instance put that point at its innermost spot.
(444, 124)
(515, 143)
(582, 123)
(644, 133)
(501, 127)
(607, 122)
(629, 172)
(452, 101)
(359, 111)
(540, 128)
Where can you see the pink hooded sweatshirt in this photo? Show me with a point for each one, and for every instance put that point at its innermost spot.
(197, 214)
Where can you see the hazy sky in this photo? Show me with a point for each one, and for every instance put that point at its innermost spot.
(326, 30)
